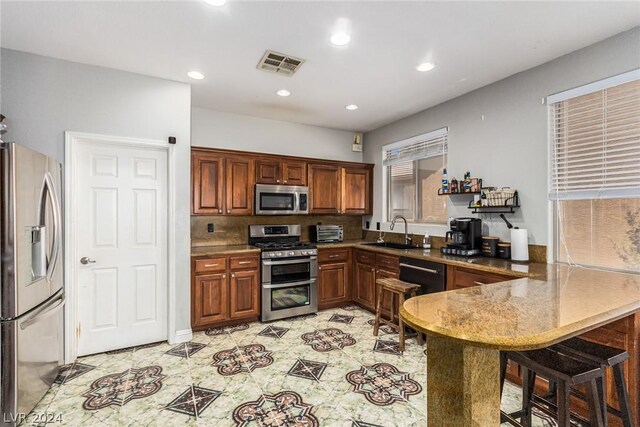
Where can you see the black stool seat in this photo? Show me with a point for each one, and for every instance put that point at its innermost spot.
(599, 353)
(605, 356)
(547, 363)
(564, 370)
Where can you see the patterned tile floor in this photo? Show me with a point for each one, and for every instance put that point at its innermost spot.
(326, 369)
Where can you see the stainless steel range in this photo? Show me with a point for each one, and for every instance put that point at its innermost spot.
(289, 271)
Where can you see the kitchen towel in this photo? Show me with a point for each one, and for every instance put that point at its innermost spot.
(519, 244)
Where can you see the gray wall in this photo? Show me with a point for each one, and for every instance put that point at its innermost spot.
(508, 148)
(218, 129)
(44, 97)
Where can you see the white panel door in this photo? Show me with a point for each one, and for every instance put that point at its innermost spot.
(121, 217)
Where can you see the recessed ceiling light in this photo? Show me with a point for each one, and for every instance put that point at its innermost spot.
(283, 92)
(425, 66)
(196, 75)
(340, 39)
(215, 2)
(351, 107)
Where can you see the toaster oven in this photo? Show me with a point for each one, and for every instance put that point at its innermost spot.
(328, 233)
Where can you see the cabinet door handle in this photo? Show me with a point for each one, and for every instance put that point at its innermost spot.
(210, 265)
(224, 275)
(278, 181)
(479, 283)
(219, 210)
(228, 210)
(285, 181)
(233, 274)
(244, 262)
(319, 267)
(334, 256)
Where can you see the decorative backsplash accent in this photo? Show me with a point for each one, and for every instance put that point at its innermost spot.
(234, 230)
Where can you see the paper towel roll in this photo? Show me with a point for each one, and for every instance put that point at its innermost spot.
(519, 244)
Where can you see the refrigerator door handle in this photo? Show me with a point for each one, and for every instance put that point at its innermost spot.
(49, 188)
(39, 315)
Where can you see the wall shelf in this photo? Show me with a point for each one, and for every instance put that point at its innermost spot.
(510, 205)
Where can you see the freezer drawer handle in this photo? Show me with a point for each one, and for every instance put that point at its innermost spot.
(39, 316)
(428, 270)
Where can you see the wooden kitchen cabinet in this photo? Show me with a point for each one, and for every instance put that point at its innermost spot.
(324, 188)
(281, 172)
(207, 183)
(460, 277)
(209, 299)
(356, 191)
(268, 171)
(239, 185)
(364, 280)
(224, 290)
(333, 284)
(221, 184)
(334, 277)
(244, 292)
(294, 172)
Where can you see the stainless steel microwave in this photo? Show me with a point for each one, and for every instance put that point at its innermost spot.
(281, 200)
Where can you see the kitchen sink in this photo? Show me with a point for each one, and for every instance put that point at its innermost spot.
(390, 245)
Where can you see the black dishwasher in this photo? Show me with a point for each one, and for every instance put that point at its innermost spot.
(431, 276)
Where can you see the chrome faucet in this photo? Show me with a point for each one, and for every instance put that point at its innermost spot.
(407, 239)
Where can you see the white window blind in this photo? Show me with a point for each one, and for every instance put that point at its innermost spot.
(596, 144)
(431, 144)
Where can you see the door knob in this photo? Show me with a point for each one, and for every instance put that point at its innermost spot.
(86, 260)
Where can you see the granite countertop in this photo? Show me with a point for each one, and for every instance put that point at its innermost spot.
(222, 250)
(490, 265)
(525, 314)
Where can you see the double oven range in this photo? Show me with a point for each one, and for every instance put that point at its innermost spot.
(289, 271)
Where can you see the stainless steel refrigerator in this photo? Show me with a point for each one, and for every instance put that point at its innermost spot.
(31, 274)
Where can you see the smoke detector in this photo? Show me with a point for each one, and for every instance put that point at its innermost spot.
(279, 63)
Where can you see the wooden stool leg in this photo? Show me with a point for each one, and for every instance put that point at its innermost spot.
(401, 324)
(623, 395)
(503, 370)
(528, 379)
(418, 333)
(563, 402)
(595, 408)
(392, 307)
(376, 324)
(603, 400)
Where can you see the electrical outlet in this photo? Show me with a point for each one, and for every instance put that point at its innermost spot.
(210, 228)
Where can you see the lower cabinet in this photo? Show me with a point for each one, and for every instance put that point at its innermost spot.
(364, 286)
(210, 299)
(224, 290)
(244, 294)
(333, 277)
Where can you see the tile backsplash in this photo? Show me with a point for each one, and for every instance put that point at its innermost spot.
(234, 230)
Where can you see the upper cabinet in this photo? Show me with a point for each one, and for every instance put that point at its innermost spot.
(207, 183)
(356, 190)
(324, 188)
(285, 172)
(223, 182)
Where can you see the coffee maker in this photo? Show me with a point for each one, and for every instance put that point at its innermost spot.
(464, 238)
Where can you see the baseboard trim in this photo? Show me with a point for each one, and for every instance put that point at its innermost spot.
(184, 335)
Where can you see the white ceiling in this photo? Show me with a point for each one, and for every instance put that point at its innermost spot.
(472, 43)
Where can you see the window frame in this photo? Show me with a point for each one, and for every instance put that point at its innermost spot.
(417, 226)
(553, 204)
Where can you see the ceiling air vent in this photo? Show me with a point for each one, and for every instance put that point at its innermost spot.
(279, 63)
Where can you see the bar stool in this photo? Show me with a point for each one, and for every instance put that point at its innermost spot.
(566, 372)
(606, 357)
(401, 289)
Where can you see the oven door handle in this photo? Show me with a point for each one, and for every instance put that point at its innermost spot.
(291, 261)
(288, 284)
